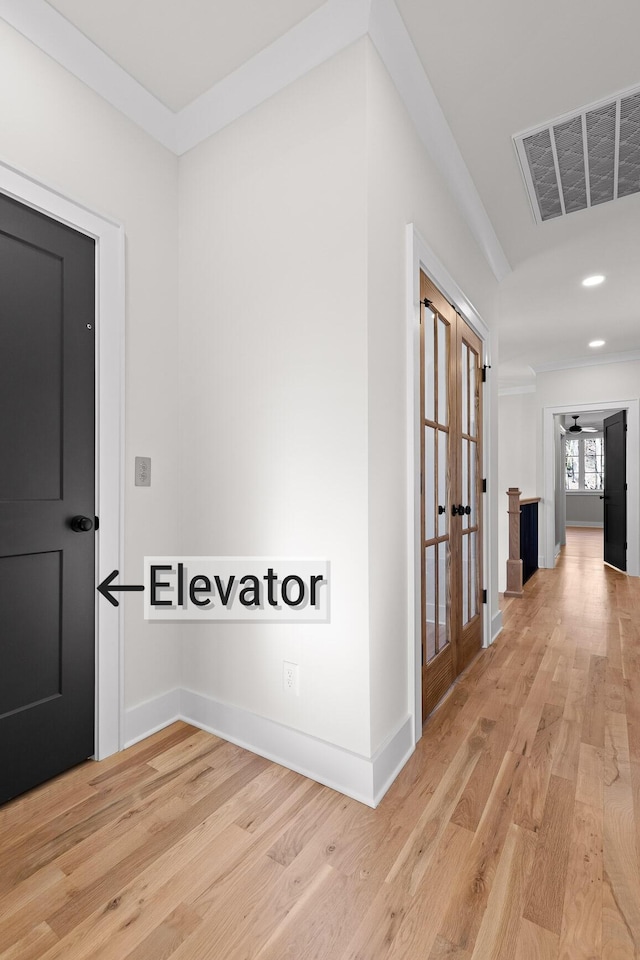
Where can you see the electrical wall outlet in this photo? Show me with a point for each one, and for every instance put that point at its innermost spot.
(290, 678)
(143, 471)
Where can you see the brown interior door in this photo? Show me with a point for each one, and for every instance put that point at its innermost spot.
(451, 500)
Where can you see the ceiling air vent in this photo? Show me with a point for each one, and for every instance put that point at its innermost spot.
(582, 159)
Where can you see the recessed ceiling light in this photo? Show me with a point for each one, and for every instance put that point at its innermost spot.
(596, 343)
(593, 281)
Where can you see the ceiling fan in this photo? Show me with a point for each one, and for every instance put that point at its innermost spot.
(576, 428)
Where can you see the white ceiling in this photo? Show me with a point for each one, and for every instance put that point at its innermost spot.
(497, 68)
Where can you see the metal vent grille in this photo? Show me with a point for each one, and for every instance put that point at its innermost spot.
(583, 159)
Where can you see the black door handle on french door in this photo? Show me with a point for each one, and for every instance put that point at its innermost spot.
(440, 510)
(81, 524)
(467, 510)
(457, 510)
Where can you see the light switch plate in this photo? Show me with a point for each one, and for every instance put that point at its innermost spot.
(143, 471)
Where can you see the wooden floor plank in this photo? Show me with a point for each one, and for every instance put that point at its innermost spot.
(513, 832)
(581, 933)
(549, 872)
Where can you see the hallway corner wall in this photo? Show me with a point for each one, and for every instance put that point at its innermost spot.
(57, 130)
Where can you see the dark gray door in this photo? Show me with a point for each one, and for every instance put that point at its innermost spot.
(615, 490)
(47, 568)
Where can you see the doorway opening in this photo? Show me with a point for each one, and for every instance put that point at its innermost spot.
(591, 479)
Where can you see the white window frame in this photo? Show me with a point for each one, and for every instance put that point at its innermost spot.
(582, 490)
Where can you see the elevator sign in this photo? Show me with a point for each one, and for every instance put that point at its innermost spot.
(236, 589)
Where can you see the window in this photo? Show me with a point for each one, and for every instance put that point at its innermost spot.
(584, 463)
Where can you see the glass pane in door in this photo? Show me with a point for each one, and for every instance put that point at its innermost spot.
(473, 398)
(443, 595)
(473, 490)
(430, 492)
(443, 372)
(473, 571)
(429, 366)
(464, 485)
(464, 376)
(430, 601)
(443, 460)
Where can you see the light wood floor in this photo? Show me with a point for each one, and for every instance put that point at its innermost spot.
(511, 833)
(585, 542)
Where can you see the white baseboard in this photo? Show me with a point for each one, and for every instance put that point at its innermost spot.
(366, 779)
(584, 523)
(149, 717)
(496, 625)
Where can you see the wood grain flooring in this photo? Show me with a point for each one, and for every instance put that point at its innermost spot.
(513, 833)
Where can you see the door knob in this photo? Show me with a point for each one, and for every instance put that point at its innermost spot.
(440, 510)
(81, 524)
(457, 510)
(467, 510)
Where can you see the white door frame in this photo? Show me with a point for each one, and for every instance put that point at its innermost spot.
(633, 475)
(420, 256)
(109, 320)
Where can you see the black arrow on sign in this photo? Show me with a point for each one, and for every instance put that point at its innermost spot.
(106, 589)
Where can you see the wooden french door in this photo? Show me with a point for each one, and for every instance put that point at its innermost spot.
(451, 488)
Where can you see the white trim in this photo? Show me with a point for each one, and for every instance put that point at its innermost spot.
(366, 779)
(152, 715)
(515, 391)
(633, 476)
(109, 238)
(590, 361)
(391, 38)
(584, 523)
(45, 27)
(320, 36)
(420, 256)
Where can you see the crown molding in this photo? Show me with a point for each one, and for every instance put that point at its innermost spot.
(323, 34)
(333, 27)
(57, 37)
(598, 361)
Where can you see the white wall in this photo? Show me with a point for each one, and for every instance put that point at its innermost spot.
(56, 129)
(584, 508)
(293, 288)
(404, 187)
(273, 354)
(517, 462)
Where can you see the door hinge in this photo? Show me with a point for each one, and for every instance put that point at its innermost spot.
(484, 485)
(625, 486)
(97, 523)
(484, 596)
(486, 367)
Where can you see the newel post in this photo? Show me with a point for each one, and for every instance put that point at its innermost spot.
(514, 563)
